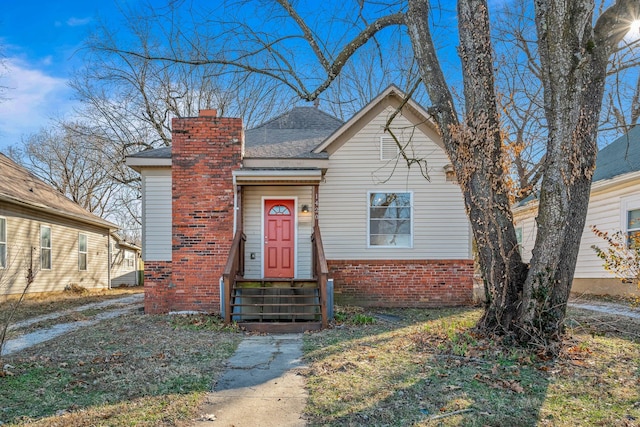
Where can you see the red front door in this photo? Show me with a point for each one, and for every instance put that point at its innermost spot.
(279, 236)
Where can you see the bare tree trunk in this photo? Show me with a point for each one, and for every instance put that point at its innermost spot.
(574, 75)
(475, 150)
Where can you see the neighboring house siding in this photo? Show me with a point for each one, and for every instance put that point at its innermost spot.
(156, 205)
(23, 233)
(440, 226)
(527, 223)
(124, 266)
(605, 212)
(253, 213)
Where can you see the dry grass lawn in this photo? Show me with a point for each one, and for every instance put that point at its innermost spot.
(429, 368)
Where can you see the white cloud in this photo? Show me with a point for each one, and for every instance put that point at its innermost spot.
(77, 22)
(33, 98)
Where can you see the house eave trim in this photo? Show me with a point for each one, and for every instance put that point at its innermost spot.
(283, 163)
(137, 163)
(277, 177)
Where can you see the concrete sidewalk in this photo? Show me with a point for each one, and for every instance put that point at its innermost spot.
(112, 308)
(261, 386)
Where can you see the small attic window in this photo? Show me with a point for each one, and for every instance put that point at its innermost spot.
(389, 150)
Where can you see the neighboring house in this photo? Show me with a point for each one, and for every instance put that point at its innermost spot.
(126, 262)
(297, 203)
(614, 205)
(64, 244)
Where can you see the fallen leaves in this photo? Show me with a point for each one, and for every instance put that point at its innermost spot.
(511, 385)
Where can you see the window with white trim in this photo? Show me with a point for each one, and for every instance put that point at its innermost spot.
(389, 150)
(82, 252)
(633, 227)
(390, 219)
(519, 239)
(3, 243)
(45, 247)
(128, 258)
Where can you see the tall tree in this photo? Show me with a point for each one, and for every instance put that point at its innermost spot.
(527, 302)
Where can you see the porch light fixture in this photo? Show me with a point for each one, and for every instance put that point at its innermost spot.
(305, 209)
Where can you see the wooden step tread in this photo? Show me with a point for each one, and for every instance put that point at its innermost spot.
(275, 284)
(276, 305)
(281, 327)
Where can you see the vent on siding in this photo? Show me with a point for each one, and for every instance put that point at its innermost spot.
(388, 148)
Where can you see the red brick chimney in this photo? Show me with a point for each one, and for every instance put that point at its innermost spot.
(206, 149)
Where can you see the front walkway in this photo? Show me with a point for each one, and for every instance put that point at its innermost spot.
(261, 386)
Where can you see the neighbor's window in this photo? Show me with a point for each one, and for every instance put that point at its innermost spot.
(633, 227)
(519, 239)
(3, 243)
(82, 252)
(390, 219)
(128, 259)
(45, 248)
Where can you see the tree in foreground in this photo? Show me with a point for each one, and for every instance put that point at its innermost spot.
(526, 302)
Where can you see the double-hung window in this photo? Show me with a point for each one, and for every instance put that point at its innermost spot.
(82, 252)
(45, 247)
(390, 219)
(3, 243)
(128, 258)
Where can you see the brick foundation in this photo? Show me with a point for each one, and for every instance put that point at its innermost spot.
(157, 278)
(402, 283)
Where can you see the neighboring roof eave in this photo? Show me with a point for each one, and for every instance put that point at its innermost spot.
(596, 187)
(623, 179)
(99, 222)
(420, 115)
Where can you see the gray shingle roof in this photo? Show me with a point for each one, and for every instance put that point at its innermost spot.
(18, 185)
(620, 157)
(293, 134)
(157, 153)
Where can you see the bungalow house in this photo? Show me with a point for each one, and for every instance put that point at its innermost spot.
(63, 243)
(304, 201)
(614, 205)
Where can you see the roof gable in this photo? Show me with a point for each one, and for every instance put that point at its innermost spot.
(19, 186)
(390, 97)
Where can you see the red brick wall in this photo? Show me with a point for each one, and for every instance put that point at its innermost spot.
(404, 283)
(157, 277)
(205, 151)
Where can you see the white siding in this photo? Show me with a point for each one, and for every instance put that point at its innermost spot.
(440, 225)
(156, 214)
(529, 231)
(253, 214)
(605, 212)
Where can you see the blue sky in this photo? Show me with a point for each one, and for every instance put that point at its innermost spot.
(39, 41)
